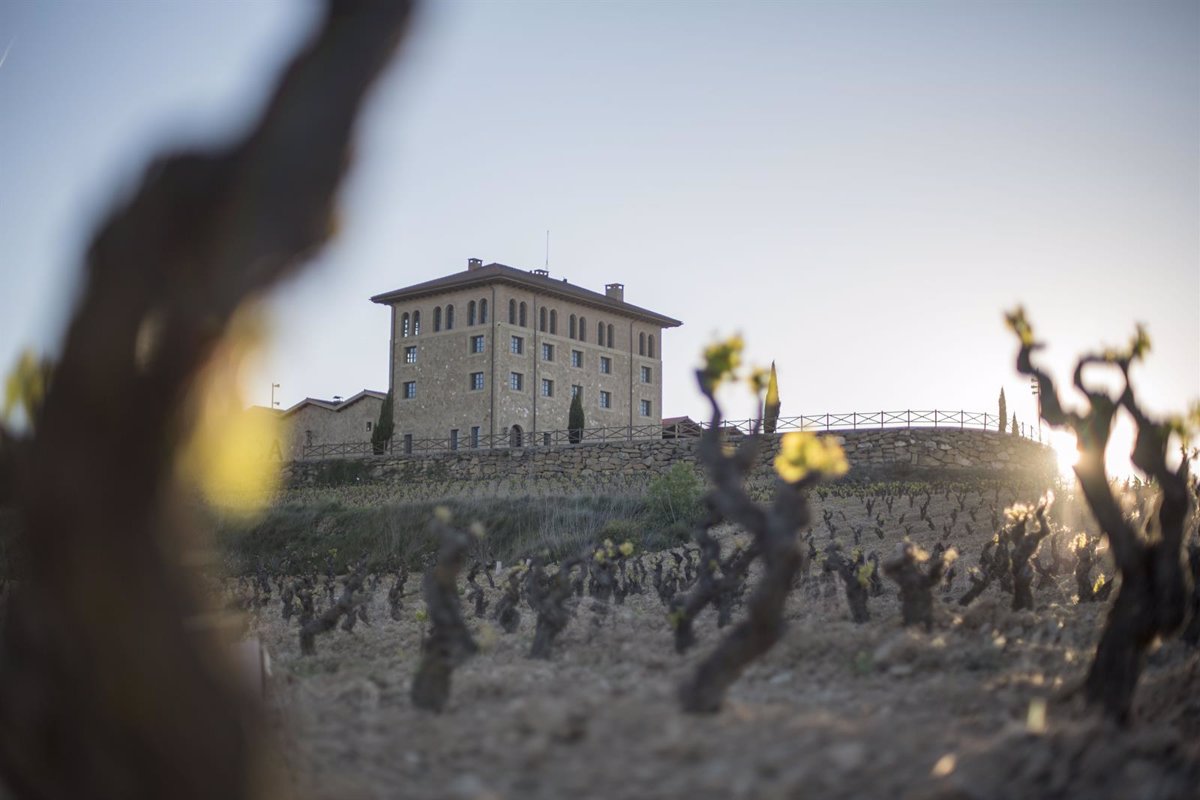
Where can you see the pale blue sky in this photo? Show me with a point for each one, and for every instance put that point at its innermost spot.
(860, 188)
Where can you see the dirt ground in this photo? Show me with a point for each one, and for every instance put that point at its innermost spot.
(834, 710)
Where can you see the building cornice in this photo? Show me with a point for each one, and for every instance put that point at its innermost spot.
(492, 274)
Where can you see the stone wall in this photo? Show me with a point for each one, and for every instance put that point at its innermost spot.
(876, 455)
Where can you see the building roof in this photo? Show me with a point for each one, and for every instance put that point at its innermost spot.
(493, 273)
(335, 405)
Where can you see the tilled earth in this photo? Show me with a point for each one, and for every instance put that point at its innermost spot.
(834, 710)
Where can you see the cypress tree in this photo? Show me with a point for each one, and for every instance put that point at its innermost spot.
(771, 406)
(1003, 410)
(1014, 424)
(575, 420)
(383, 428)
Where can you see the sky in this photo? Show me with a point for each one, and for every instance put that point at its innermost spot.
(860, 189)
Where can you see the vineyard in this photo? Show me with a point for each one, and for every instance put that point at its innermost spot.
(697, 634)
(982, 639)
(977, 701)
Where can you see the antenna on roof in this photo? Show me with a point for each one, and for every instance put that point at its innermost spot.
(547, 250)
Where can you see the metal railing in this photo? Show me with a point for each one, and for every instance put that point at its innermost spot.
(858, 420)
(828, 422)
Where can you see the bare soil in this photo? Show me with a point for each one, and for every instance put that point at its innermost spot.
(835, 710)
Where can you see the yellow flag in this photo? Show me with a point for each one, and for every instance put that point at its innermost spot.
(771, 406)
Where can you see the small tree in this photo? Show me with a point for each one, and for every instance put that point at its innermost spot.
(384, 428)
(1003, 410)
(771, 405)
(1013, 430)
(575, 420)
(675, 497)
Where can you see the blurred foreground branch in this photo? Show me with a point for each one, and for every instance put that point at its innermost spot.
(104, 690)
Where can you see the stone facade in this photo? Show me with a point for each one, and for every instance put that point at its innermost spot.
(492, 355)
(878, 455)
(313, 423)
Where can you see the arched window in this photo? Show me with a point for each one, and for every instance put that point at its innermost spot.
(512, 312)
(483, 312)
(471, 313)
(571, 329)
(641, 344)
(449, 318)
(542, 317)
(583, 329)
(610, 335)
(404, 326)
(600, 333)
(437, 318)
(524, 322)
(651, 350)
(554, 322)
(416, 323)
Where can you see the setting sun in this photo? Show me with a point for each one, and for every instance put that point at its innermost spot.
(1065, 452)
(1116, 456)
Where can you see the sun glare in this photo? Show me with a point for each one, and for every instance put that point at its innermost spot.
(1116, 457)
(1065, 452)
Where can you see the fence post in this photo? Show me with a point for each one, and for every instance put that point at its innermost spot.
(935, 419)
(908, 424)
(962, 417)
(881, 420)
(827, 421)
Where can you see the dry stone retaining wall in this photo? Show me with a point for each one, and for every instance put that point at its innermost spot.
(874, 455)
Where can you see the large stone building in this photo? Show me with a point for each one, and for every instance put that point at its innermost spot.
(491, 356)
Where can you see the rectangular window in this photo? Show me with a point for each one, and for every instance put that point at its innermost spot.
(410, 390)
(516, 381)
(605, 365)
(547, 388)
(476, 381)
(547, 352)
(474, 436)
(408, 443)
(576, 391)
(576, 358)
(646, 375)
(477, 344)
(368, 426)
(518, 345)
(645, 408)
(454, 438)
(605, 399)
(410, 355)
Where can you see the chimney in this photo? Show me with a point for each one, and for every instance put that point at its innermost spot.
(615, 290)
(474, 263)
